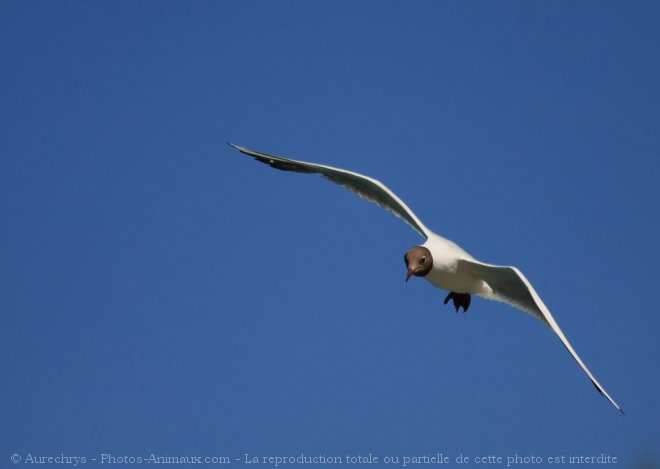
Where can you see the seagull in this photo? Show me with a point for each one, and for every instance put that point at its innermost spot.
(442, 262)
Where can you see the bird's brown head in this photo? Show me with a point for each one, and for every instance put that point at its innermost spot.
(418, 262)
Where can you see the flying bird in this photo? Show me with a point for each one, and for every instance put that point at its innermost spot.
(440, 261)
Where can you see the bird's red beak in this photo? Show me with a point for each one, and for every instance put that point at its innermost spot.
(409, 274)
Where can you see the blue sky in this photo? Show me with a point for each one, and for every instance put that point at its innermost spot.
(162, 293)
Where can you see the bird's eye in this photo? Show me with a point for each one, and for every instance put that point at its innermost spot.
(422, 260)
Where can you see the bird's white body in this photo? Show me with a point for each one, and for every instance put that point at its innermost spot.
(447, 272)
(453, 269)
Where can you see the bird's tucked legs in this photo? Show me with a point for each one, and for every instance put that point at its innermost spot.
(460, 300)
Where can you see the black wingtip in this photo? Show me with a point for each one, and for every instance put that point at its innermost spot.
(607, 397)
(239, 148)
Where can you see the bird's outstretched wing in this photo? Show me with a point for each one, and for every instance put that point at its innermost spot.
(509, 285)
(364, 186)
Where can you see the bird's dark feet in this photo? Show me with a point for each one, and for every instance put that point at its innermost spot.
(461, 300)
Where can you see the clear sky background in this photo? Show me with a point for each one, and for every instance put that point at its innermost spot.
(161, 293)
